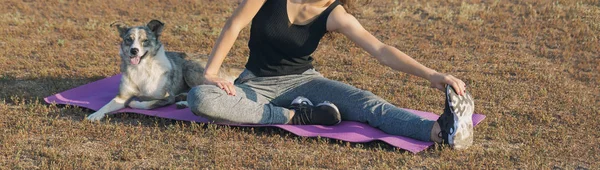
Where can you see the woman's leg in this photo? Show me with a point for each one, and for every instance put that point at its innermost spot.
(362, 106)
(247, 106)
(251, 104)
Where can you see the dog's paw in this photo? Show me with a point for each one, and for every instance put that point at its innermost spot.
(95, 116)
(182, 104)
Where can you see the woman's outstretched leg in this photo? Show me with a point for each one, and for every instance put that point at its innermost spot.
(362, 106)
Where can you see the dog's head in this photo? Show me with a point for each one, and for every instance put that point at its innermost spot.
(139, 41)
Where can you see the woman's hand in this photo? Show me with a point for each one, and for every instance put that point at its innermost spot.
(221, 83)
(439, 80)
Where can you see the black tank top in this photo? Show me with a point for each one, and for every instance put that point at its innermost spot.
(278, 47)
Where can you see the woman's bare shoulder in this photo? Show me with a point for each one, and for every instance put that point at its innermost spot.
(339, 18)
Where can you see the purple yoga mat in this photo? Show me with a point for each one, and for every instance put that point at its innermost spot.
(96, 94)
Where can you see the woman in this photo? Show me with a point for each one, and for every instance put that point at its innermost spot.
(284, 34)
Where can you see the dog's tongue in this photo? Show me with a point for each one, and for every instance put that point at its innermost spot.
(135, 60)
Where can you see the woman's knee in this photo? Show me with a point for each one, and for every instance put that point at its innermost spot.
(202, 99)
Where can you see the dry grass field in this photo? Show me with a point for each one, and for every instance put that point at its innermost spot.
(532, 65)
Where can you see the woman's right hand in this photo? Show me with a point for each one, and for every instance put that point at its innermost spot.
(221, 83)
(439, 81)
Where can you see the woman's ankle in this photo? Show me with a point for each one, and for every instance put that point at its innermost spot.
(435, 131)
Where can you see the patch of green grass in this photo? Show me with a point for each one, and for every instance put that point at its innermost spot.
(60, 42)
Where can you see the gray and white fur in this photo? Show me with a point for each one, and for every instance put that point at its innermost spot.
(151, 77)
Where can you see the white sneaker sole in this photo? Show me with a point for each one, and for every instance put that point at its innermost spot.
(462, 108)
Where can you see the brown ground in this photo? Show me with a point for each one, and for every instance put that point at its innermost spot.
(532, 65)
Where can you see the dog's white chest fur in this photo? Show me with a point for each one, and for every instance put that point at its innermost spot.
(149, 77)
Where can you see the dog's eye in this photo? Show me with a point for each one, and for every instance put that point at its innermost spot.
(146, 42)
(128, 40)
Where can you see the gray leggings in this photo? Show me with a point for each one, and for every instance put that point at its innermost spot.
(264, 100)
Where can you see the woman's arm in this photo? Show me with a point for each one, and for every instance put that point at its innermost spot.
(340, 21)
(241, 18)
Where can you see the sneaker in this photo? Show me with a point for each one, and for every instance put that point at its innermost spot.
(456, 122)
(325, 113)
(301, 99)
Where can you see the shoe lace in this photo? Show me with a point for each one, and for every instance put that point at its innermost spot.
(443, 127)
(302, 113)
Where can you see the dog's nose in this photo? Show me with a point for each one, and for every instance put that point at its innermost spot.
(134, 51)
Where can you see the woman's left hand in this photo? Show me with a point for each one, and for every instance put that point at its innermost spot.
(439, 80)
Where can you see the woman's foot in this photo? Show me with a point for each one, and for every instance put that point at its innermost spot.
(301, 99)
(456, 122)
(305, 113)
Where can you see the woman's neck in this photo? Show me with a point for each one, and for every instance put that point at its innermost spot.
(301, 12)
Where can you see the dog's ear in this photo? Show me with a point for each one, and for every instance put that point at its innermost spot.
(156, 27)
(121, 27)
